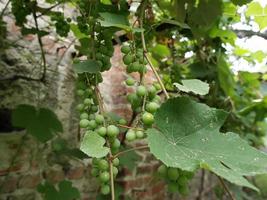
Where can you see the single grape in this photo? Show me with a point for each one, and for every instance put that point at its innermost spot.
(128, 59)
(95, 161)
(183, 189)
(98, 56)
(130, 135)
(116, 143)
(122, 121)
(84, 123)
(115, 171)
(92, 124)
(91, 116)
(80, 93)
(147, 118)
(94, 172)
(116, 161)
(157, 86)
(162, 170)
(84, 116)
(94, 108)
(182, 180)
(103, 165)
(87, 101)
(125, 49)
(152, 107)
(139, 134)
(173, 173)
(102, 131)
(130, 82)
(135, 66)
(99, 119)
(105, 189)
(173, 187)
(104, 176)
(152, 91)
(141, 91)
(112, 131)
(80, 107)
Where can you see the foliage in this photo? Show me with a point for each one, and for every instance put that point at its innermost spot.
(159, 35)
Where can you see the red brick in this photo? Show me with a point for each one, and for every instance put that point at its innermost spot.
(75, 173)
(54, 176)
(29, 181)
(9, 185)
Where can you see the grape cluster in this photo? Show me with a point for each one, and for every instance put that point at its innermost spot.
(91, 121)
(104, 47)
(100, 170)
(143, 100)
(176, 178)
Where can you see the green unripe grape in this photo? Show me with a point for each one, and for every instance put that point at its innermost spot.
(91, 116)
(80, 107)
(130, 135)
(130, 82)
(156, 99)
(94, 108)
(122, 121)
(89, 92)
(84, 116)
(112, 131)
(142, 69)
(135, 66)
(95, 161)
(182, 180)
(152, 107)
(110, 53)
(162, 170)
(139, 134)
(105, 189)
(100, 63)
(94, 172)
(92, 124)
(84, 123)
(104, 177)
(173, 187)
(183, 189)
(102, 131)
(140, 54)
(141, 91)
(129, 68)
(103, 165)
(80, 93)
(87, 101)
(189, 175)
(116, 143)
(138, 109)
(98, 56)
(103, 50)
(152, 91)
(114, 150)
(157, 86)
(115, 171)
(147, 118)
(99, 119)
(125, 49)
(128, 59)
(173, 173)
(116, 161)
(105, 60)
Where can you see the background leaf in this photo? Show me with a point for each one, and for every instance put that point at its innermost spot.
(186, 135)
(89, 66)
(193, 85)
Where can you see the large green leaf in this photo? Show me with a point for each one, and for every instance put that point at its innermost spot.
(114, 20)
(89, 66)
(186, 135)
(193, 85)
(259, 13)
(92, 145)
(240, 2)
(41, 123)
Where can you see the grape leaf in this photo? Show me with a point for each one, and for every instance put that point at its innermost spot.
(193, 85)
(92, 145)
(41, 123)
(187, 136)
(260, 14)
(89, 66)
(114, 20)
(129, 160)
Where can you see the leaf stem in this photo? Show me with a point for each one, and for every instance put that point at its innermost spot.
(130, 127)
(226, 188)
(129, 150)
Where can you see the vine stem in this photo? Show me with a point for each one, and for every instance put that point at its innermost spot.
(128, 150)
(147, 57)
(102, 111)
(130, 127)
(226, 188)
(41, 46)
